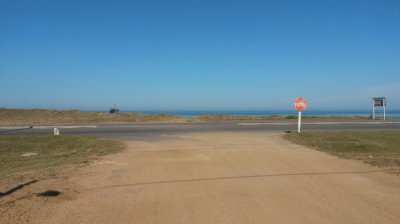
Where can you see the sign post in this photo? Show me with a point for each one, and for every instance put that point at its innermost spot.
(379, 102)
(300, 105)
(299, 123)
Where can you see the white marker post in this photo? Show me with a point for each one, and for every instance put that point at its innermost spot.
(300, 105)
(373, 109)
(299, 123)
(384, 109)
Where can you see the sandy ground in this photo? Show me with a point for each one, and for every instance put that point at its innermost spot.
(211, 178)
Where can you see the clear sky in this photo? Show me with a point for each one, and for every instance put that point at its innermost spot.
(199, 54)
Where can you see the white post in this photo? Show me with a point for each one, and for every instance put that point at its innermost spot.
(384, 109)
(373, 109)
(299, 123)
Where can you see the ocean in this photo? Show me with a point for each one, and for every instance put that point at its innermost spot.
(194, 114)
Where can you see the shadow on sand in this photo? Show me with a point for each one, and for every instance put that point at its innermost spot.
(16, 188)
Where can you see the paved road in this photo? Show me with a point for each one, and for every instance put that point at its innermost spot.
(139, 131)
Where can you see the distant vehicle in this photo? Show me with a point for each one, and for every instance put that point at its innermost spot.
(114, 110)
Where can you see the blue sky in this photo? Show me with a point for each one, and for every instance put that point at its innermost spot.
(199, 55)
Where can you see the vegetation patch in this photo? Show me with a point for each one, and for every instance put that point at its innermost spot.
(376, 148)
(34, 117)
(14, 117)
(21, 154)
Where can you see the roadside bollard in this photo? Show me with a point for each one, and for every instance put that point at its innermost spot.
(56, 131)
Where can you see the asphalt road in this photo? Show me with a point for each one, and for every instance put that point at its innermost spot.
(140, 131)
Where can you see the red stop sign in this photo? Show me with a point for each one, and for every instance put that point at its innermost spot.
(300, 104)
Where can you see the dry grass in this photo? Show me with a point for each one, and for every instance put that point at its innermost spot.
(376, 148)
(16, 117)
(49, 117)
(52, 151)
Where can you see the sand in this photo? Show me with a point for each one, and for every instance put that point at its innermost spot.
(219, 177)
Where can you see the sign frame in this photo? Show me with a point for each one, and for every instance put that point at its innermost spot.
(379, 102)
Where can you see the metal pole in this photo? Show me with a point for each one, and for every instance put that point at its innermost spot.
(299, 123)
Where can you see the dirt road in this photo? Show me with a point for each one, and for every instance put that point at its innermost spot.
(213, 178)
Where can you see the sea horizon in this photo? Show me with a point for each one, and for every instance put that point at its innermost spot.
(259, 113)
